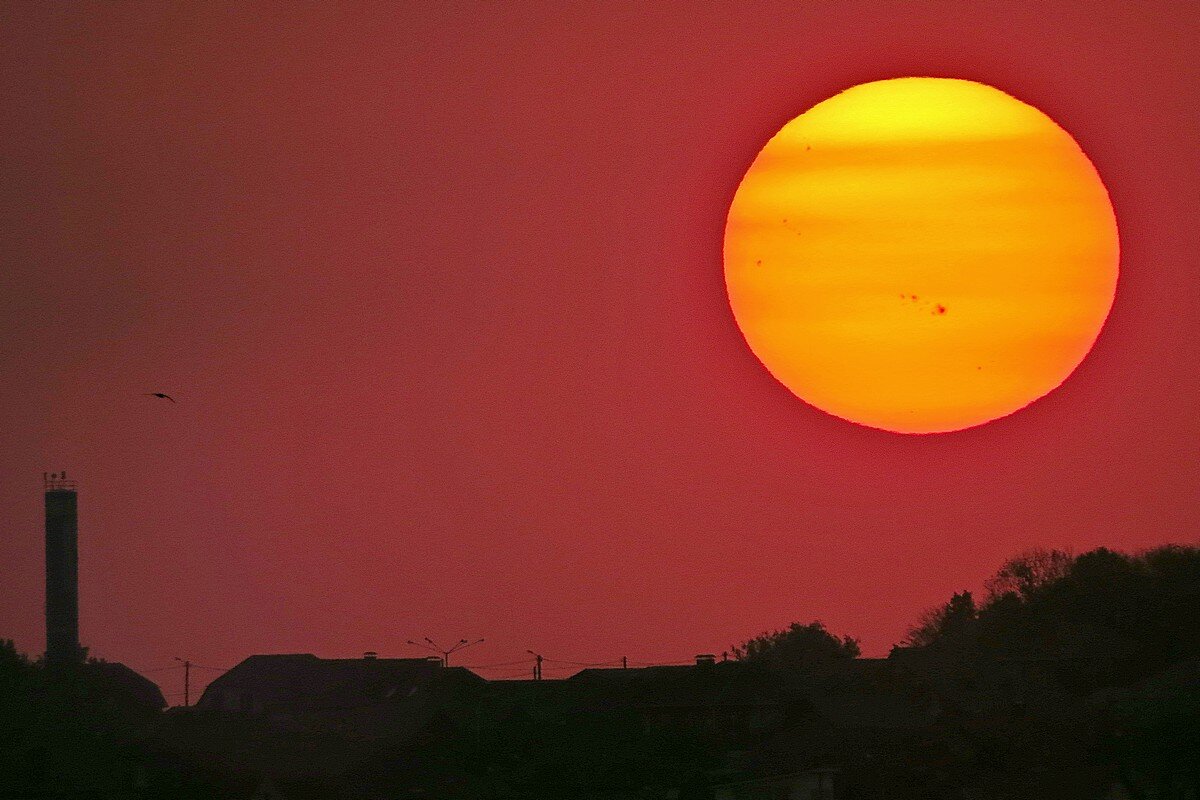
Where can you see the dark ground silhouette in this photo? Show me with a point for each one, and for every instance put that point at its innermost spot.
(1073, 677)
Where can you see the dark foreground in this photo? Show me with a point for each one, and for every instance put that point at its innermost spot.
(1076, 678)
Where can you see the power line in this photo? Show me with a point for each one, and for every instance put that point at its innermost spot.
(554, 665)
(537, 665)
(522, 674)
(556, 671)
(499, 664)
(584, 663)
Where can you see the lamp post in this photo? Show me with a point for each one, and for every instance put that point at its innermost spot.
(434, 647)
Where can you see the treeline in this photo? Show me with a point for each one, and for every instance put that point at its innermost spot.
(1127, 615)
(1138, 612)
(1119, 635)
(1074, 676)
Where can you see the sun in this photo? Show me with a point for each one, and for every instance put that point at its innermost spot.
(921, 255)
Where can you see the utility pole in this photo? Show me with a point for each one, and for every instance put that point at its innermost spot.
(187, 680)
(537, 667)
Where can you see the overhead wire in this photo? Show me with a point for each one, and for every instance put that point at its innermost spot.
(555, 666)
(498, 664)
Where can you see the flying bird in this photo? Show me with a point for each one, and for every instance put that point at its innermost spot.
(160, 394)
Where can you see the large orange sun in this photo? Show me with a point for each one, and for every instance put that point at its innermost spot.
(921, 255)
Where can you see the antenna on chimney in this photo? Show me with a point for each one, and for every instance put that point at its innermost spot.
(57, 481)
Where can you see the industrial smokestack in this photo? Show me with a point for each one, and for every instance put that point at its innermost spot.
(62, 571)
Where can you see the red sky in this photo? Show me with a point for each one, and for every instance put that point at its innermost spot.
(440, 295)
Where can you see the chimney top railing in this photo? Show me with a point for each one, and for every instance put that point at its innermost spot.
(57, 482)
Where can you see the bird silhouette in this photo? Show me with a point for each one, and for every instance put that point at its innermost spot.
(160, 394)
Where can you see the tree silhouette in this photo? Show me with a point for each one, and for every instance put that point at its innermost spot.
(954, 619)
(1119, 617)
(798, 647)
(1025, 574)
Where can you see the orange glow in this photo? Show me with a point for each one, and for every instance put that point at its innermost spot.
(921, 255)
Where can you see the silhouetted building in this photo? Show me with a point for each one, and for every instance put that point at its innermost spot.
(300, 685)
(62, 571)
(124, 686)
(729, 698)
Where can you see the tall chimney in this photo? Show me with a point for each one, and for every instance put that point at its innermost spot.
(62, 571)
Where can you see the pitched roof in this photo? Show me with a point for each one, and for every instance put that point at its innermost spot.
(302, 680)
(132, 685)
(724, 683)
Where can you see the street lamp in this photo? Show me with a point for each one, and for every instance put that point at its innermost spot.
(434, 647)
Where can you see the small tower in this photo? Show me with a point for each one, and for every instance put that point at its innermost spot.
(62, 571)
